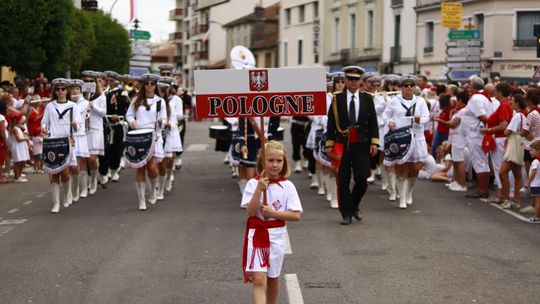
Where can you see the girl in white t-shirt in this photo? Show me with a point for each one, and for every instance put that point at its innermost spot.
(18, 145)
(270, 200)
(3, 138)
(534, 179)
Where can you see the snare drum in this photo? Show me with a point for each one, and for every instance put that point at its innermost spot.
(56, 154)
(278, 135)
(139, 146)
(398, 146)
(222, 135)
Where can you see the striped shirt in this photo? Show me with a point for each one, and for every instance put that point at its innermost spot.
(532, 125)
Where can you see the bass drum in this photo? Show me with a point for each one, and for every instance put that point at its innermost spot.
(139, 147)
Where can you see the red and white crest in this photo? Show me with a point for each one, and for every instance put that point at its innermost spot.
(258, 80)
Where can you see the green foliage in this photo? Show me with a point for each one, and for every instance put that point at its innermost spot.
(82, 41)
(112, 50)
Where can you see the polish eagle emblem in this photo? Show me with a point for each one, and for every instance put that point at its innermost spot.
(258, 80)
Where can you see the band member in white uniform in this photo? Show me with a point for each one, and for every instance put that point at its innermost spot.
(148, 111)
(390, 89)
(175, 146)
(94, 133)
(59, 125)
(409, 110)
(78, 163)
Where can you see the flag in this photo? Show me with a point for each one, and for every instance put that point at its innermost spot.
(132, 10)
(207, 34)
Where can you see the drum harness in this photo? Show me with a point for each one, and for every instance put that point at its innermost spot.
(61, 116)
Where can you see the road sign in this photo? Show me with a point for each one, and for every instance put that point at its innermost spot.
(463, 51)
(464, 65)
(140, 35)
(462, 74)
(137, 71)
(536, 75)
(463, 43)
(141, 58)
(467, 58)
(464, 34)
(451, 14)
(146, 64)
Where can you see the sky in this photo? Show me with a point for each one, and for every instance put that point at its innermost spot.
(153, 14)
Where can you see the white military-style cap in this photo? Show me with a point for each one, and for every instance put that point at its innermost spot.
(164, 67)
(113, 74)
(167, 80)
(76, 83)
(61, 82)
(353, 71)
(408, 79)
(89, 73)
(338, 74)
(149, 77)
(375, 78)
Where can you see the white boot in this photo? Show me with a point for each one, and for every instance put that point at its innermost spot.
(140, 193)
(333, 193)
(384, 178)
(161, 188)
(169, 181)
(314, 182)
(410, 186)
(371, 178)
(178, 163)
(320, 179)
(402, 189)
(56, 197)
(115, 176)
(392, 186)
(83, 179)
(75, 187)
(242, 185)
(327, 181)
(93, 181)
(68, 196)
(298, 166)
(152, 196)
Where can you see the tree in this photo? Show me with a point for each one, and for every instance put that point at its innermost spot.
(112, 50)
(34, 35)
(82, 41)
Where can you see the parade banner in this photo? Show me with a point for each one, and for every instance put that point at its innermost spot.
(260, 92)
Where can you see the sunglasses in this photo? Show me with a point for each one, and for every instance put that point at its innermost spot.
(61, 89)
(353, 78)
(408, 85)
(150, 83)
(89, 80)
(340, 81)
(166, 74)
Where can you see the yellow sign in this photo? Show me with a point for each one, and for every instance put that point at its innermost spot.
(451, 14)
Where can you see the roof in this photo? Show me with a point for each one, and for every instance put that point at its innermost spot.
(271, 14)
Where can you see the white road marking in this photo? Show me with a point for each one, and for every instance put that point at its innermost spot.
(4, 230)
(293, 289)
(518, 216)
(41, 195)
(27, 202)
(13, 222)
(13, 210)
(196, 147)
(288, 248)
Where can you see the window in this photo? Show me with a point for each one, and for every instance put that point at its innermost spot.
(268, 59)
(397, 30)
(315, 9)
(287, 16)
(525, 23)
(352, 30)
(479, 24)
(336, 34)
(370, 29)
(429, 38)
(300, 51)
(301, 13)
(285, 54)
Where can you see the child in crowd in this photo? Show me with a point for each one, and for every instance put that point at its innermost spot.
(534, 179)
(35, 114)
(18, 144)
(3, 139)
(264, 242)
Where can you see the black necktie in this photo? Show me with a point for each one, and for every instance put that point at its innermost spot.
(352, 112)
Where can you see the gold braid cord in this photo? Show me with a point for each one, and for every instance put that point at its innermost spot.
(338, 126)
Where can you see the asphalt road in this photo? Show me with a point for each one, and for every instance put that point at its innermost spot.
(187, 249)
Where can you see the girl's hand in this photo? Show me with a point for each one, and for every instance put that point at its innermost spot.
(391, 126)
(90, 105)
(263, 182)
(417, 119)
(74, 125)
(267, 211)
(133, 125)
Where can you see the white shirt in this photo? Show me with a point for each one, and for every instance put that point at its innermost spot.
(477, 106)
(396, 113)
(97, 113)
(534, 166)
(455, 135)
(51, 120)
(177, 106)
(82, 108)
(3, 121)
(280, 198)
(380, 107)
(146, 119)
(356, 104)
(517, 122)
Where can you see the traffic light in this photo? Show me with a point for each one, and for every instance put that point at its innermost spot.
(89, 5)
(537, 35)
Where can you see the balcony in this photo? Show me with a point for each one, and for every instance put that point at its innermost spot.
(200, 29)
(176, 14)
(178, 60)
(428, 50)
(176, 37)
(201, 55)
(395, 54)
(345, 55)
(525, 43)
(397, 3)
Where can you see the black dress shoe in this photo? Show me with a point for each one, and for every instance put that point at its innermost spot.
(357, 215)
(346, 220)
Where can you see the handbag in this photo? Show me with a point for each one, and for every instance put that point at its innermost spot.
(514, 148)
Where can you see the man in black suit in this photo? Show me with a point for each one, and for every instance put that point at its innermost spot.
(355, 129)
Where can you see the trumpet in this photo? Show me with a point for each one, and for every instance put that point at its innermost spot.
(384, 93)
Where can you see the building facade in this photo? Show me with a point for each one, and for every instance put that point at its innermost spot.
(354, 33)
(399, 37)
(506, 31)
(301, 35)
